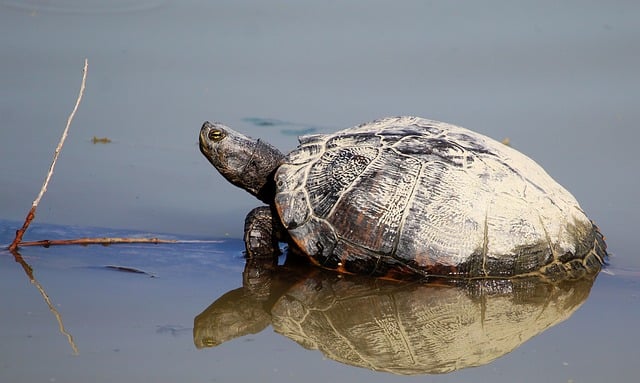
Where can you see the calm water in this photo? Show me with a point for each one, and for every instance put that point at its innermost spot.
(160, 324)
(560, 80)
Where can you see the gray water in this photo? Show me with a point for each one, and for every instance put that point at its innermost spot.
(560, 80)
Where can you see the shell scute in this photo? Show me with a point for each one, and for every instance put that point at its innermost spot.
(434, 149)
(290, 177)
(333, 173)
(317, 239)
(311, 138)
(305, 154)
(371, 211)
(293, 208)
(370, 139)
(352, 261)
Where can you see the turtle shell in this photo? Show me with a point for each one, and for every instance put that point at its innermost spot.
(407, 196)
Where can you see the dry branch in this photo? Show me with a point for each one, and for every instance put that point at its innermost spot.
(32, 212)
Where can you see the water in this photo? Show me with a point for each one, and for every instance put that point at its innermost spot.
(162, 322)
(560, 80)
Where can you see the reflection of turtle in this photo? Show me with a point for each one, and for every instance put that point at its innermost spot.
(405, 197)
(398, 327)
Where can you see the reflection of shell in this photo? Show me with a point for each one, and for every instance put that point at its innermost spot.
(398, 327)
(420, 328)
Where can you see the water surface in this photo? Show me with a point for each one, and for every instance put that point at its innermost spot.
(560, 80)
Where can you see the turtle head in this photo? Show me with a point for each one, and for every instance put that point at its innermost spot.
(245, 162)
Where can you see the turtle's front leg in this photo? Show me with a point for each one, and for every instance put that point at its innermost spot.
(261, 232)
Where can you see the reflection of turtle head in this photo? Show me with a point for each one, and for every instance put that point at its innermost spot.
(233, 315)
(397, 327)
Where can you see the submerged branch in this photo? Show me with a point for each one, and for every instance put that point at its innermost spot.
(104, 241)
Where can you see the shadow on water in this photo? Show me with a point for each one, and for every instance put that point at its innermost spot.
(401, 328)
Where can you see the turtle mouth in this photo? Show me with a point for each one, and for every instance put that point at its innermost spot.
(205, 148)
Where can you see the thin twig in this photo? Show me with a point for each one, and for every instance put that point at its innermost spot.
(107, 241)
(32, 212)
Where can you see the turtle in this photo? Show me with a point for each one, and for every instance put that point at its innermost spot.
(407, 198)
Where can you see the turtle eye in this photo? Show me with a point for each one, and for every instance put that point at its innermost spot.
(216, 135)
